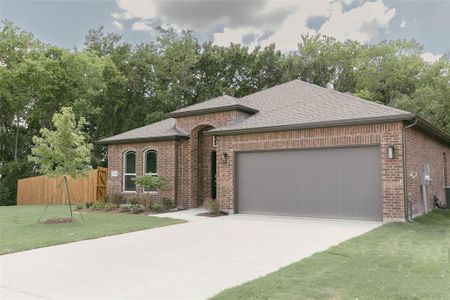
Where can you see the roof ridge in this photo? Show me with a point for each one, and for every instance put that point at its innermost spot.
(353, 97)
(267, 88)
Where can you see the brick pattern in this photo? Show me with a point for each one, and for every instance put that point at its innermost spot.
(194, 159)
(204, 167)
(383, 134)
(423, 149)
(188, 188)
(165, 167)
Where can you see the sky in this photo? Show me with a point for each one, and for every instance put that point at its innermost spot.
(252, 23)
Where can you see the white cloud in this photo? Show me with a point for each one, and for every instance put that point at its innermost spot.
(141, 26)
(430, 57)
(288, 35)
(267, 21)
(403, 24)
(136, 9)
(361, 23)
(117, 24)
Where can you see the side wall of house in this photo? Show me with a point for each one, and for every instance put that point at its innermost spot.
(165, 167)
(423, 149)
(382, 134)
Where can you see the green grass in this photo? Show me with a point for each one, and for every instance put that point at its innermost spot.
(394, 261)
(19, 230)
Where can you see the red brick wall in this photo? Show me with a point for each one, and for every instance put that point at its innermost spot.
(165, 167)
(204, 167)
(188, 187)
(423, 149)
(382, 134)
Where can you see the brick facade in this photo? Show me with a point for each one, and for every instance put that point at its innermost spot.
(423, 149)
(194, 156)
(188, 188)
(165, 167)
(374, 134)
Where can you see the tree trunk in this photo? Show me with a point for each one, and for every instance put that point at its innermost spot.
(16, 142)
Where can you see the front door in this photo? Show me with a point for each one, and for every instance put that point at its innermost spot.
(213, 175)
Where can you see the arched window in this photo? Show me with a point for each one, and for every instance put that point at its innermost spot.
(129, 171)
(150, 164)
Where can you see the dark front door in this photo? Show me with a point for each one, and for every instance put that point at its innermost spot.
(213, 175)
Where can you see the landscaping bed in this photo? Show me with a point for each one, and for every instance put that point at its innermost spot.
(394, 261)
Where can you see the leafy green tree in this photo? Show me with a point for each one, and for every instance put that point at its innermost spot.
(63, 151)
(388, 70)
(10, 172)
(431, 99)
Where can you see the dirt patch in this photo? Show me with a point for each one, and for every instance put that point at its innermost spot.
(213, 215)
(59, 220)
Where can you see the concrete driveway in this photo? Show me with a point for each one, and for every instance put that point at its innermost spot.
(194, 260)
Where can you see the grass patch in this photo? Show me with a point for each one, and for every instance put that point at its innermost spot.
(394, 261)
(19, 230)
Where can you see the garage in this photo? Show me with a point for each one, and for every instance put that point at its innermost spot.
(342, 183)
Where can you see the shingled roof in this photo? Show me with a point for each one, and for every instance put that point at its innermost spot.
(162, 130)
(292, 105)
(222, 103)
(297, 104)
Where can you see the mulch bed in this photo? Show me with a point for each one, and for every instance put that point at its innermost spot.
(59, 220)
(213, 215)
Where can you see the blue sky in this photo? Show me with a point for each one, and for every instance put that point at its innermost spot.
(65, 23)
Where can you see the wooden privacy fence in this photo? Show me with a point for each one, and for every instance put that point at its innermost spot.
(46, 190)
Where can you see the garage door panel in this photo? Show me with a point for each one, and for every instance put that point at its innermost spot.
(332, 183)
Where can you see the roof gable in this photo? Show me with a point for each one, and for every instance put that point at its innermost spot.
(162, 130)
(298, 104)
(218, 104)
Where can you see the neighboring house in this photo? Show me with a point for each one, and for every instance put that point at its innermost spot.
(294, 149)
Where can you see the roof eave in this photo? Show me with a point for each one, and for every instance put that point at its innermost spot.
(402, 117)
(238, 107)
(143, 139)
(433, 130)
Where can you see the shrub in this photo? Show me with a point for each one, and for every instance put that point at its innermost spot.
(109, 206)
(97, 206)
(147, 200)
(213, 206)
(167, 203)
(79, 206)
(158, 207)
(88, 204)
(116, 199)
(149, 182)
(133, 201)
(125, 207)
(137, 209)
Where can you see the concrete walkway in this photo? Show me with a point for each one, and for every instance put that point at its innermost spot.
(194, 260)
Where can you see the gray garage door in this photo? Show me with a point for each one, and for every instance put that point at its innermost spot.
(342, 183)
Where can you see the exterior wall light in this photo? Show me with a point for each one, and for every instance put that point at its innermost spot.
(391, 152)
(224, 158)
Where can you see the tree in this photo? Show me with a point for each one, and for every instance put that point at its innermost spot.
(63, 151)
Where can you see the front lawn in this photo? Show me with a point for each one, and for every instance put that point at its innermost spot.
(394, 261)
(19, 230)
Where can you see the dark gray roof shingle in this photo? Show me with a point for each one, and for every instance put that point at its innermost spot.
(295, 104)
(217, 104)
(164, 129)
(301, 104)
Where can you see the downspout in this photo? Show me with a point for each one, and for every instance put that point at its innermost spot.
(405, 171)
(177, 146)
